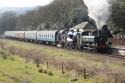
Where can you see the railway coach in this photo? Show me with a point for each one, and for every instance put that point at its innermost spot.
(20, 35)
(10, 34)
(31, 36)
(47, 37)
(15, 34)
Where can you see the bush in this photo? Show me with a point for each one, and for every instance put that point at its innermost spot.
(2, 45)
(50, 73)
(4, 57)
(40, 70)
(11, 58)
(45, 71)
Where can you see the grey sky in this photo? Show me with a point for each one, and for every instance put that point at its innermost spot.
(23, 3)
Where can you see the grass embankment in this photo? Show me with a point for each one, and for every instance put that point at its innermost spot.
(17, 71)
(53, 65)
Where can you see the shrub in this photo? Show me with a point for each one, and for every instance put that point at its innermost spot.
(2, 45)
(40, 70)
(45, 71)
(11, 58)
(75, 79)
(4, 57)
(50, 73)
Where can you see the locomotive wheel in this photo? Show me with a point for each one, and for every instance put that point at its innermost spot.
(95, 50)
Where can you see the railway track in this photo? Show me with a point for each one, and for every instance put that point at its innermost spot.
(121, 57)
(118, 56)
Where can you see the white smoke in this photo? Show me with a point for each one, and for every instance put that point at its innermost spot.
(99, 10)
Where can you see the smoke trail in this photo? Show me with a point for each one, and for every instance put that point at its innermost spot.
(99, 10)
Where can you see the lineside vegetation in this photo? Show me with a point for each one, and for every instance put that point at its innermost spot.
(68, 66)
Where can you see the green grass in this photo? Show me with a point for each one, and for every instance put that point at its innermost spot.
(14, 69)
(18, 71)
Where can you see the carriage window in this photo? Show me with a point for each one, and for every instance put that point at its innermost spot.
(52, 36)
(39, 35)
(48, 35)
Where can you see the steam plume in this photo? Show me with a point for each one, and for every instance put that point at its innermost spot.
(99, 10)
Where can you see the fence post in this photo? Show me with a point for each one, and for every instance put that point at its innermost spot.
(47, 64)
(62, 69)
(84, 72)
(115, 81)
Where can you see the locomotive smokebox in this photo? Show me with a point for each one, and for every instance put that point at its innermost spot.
(105, 32)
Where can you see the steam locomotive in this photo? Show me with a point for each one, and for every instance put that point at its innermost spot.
(96, 41)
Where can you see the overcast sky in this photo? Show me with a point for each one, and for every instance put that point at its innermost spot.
(23, 3)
